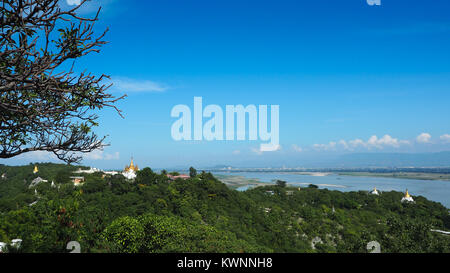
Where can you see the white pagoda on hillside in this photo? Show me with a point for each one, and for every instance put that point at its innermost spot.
(375, 191)
(407, 197)
(130, 171)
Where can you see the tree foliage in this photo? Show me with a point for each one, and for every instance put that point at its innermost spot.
(201, 214)
(43, 106)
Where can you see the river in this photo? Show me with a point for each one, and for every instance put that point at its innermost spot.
(435, 190)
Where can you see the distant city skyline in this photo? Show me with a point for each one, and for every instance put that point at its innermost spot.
(348, 78)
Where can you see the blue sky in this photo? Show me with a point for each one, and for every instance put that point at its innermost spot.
(342, 72)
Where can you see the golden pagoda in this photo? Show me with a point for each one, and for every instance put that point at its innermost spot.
(132, 167)
(36, 170)
(375, 191)
(407, 198)
(407, 194)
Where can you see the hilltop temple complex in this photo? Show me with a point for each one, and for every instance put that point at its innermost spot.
(128, 172)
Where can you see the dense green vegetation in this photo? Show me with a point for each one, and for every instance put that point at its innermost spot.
(201, 214)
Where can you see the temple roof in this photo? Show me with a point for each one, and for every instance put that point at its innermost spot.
(131, 167)
(407, 194)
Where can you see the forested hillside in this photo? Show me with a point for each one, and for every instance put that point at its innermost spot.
(201, 214)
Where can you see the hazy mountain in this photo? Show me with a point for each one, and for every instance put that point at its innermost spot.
(441, 159)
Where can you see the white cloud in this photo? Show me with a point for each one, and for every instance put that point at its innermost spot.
(325, 147)
(344, 144)
(372, 143)
(44, 156)
(126, 85)
(423, 138)
(357, 143)
(100, 155)
(73, 2)
(257, 151)
(445, 138)
(260, 150)
(115, 156)
(386, 140)
(94, 155)
(236, 152)
(41, 156)
(297, 148)
(91, 7)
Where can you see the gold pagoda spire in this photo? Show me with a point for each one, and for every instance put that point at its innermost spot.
(36, 170)
(407, 194)
(131, 167)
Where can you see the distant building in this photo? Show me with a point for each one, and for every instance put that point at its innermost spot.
(36, 182)
(3, 176)
(36, 170)
(407, 197)
(89, 171)
(130, 171)
(289, 192)
(16, 243)
(441, 231)
(111, 173)
(175, 177)
(315, 241)
(127, 172)
(77, 180)
(375, 192)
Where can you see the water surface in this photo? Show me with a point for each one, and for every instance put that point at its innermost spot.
(435, 190)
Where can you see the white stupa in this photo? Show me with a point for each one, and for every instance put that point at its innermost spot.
(375, 191)
(130, 171)
(407, 197)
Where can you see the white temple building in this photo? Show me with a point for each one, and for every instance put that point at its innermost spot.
(407, 197)
(89, 171)
(16, 243)
(130, 171)
(375, 191)
(36, 182)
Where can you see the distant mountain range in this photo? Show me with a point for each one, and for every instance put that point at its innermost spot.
(388, 160)
(358, 160)
(441, 159)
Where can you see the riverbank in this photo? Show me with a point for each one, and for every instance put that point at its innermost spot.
(237, 181)
(401, 175)
(431, 188)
